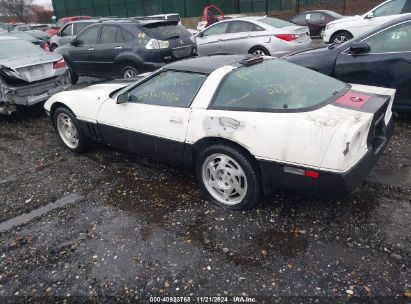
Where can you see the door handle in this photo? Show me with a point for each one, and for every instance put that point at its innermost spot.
(91, 49)
(119, 48)
(176, 120)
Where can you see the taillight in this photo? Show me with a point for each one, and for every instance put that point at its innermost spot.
(59, 64)
(46, 47)
(286, 37)
(312, 174)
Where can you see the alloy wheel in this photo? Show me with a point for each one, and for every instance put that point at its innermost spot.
(224, 179)
(67, 131)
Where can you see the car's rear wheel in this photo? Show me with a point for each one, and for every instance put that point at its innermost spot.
(341, 37)
(322, 33)
(73, 77)
(229, 176)
(69, 130)
(260, 51)
(129, 71)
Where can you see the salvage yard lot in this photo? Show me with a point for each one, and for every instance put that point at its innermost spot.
(137, 228)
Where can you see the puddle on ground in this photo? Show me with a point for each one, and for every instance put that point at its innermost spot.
(24, 218)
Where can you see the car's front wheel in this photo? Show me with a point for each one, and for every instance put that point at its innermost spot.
(69, 130)
(341, 37)
(229, 176)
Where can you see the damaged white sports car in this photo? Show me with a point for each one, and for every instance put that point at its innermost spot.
(247, 125)
(28, 74)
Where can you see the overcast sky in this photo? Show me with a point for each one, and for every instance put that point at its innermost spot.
(43, 2)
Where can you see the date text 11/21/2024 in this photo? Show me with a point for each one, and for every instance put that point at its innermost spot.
(217, 299)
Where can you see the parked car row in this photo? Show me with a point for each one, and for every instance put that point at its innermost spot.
(381, 57)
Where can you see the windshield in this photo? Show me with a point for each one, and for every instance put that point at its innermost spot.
(274, 22)
(163, 31)
(17, 48)
(276, 85)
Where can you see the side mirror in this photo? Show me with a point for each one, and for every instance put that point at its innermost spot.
(359, 48)
(370, 15)
(123, 98)
(199, 35)
(75, 42)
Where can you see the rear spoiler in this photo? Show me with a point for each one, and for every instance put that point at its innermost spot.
(159, 23)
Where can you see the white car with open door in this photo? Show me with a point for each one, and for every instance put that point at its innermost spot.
(344, 29)
(246, 124)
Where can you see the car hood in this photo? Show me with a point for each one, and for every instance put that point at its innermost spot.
(86, 102)
(347, 19)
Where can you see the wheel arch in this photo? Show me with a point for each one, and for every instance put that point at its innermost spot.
(258, 46)
(341, 32)
(57, 105)
(202, 143)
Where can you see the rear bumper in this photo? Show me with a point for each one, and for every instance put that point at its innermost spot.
(33, 93)
(329, 183)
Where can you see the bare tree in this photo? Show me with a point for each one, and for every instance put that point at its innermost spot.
(16, 8)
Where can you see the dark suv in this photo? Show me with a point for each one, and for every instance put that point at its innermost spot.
(126, 48)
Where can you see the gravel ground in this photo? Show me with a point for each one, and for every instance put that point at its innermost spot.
(125, 227)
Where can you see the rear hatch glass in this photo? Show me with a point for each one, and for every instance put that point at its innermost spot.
(274, 22)
(166, 31)
(16, 48)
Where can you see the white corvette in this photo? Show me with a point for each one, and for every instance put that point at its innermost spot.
(247, 125)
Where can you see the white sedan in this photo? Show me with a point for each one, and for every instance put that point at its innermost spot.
(246, 124)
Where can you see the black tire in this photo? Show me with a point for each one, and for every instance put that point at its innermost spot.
(248, 166)
(128, 68)
(340, 37)
(83, 143)
(259, 50)
(72, 73)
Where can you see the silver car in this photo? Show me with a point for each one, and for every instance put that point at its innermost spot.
(68, 32)
(28, 74)
(255, 35)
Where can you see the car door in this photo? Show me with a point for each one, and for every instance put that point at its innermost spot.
(110, 45)
(65, 35)
(210, 40)
(382, 14)
(315, 22)
(239, 37)
(154, 120)
(387, 64)
(82, 55)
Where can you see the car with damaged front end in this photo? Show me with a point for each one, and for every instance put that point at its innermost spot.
(246, 125)
(28, 74)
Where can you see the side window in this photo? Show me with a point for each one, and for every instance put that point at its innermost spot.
(127, 36)
(119, 36)
(322, 17)
(299, 19)
(78, 27)
(396, 39)
(391, 8)
(89, 36)
(170, 88)
(314, 17)
(67, 31)
(217, 29)
(241, 27)
(108, 34)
